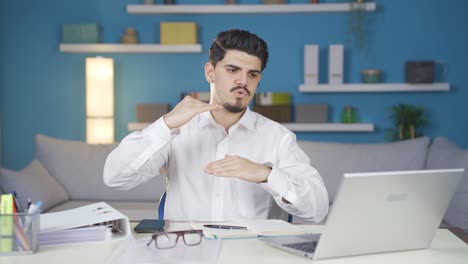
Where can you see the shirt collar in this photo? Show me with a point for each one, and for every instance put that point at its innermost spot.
(247, 120)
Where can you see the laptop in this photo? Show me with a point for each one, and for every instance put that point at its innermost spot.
(379, 212)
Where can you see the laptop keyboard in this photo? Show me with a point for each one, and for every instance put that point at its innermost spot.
(308, 246)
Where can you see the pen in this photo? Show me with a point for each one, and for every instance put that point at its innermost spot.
(34, 208)
(226, 227)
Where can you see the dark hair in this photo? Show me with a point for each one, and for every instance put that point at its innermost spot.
(236, 39)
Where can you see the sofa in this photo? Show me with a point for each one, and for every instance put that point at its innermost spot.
(66, 174)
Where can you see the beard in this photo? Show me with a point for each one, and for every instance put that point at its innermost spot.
(236, 107)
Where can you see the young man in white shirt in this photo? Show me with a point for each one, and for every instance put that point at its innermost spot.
(223, 161)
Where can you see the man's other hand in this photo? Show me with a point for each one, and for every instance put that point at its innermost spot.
(235, 166)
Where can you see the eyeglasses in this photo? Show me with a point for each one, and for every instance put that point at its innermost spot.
(167, 240)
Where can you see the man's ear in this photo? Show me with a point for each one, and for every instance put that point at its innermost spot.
(209, 72)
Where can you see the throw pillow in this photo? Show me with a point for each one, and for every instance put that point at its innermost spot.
(35, 183)
(332, 160)
(443, 154)
(79, 166)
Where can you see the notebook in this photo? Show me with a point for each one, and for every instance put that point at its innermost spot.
(379, 212)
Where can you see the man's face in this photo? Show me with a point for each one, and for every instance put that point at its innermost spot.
(234, 80)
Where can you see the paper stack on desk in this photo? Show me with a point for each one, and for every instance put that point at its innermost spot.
(95, 222)
(254, 228)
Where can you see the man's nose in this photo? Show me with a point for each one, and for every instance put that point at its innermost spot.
(242, 79)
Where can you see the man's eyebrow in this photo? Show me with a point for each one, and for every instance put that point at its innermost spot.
(237, 67)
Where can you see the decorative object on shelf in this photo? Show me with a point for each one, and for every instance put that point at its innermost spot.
(357, 23)
(311, 64)
(419, 71)
(230, 2)
(274, 105)
(335, 63)
(148, 113)
(130, 36)
(274, 1)
(99, 100)
(148, 2)
(314, 1)
(349, 115)
(81, 33)
(311, 113)
(178, 33)
(169, 2)
(371, 76)
(408, 121)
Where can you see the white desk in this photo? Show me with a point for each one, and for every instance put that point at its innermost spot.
(446, 248)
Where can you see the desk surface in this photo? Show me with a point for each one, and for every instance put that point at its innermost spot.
(445, 248)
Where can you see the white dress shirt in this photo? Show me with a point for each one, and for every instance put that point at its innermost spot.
(192, 194)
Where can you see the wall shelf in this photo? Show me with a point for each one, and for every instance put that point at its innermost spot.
(329, 127)
(243, 8)
(298, 127)
(129, 48)
(377, 87)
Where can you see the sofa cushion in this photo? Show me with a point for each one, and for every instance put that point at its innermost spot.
(332, 160)
(78, 167)
(444, 154)
(33, 182)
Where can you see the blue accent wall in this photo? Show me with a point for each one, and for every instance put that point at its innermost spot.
(43, 90)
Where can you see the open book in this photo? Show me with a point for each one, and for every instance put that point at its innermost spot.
(254, 228)
(94, 222)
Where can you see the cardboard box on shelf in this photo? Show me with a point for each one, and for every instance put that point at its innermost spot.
(311, 113)
(178, 33)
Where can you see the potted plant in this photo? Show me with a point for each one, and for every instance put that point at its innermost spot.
(357, 23)
(408, 121)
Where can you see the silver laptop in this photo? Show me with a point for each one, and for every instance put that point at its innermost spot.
(379, 212)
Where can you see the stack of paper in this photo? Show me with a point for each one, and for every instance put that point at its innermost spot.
(254, 228)
(95, 222)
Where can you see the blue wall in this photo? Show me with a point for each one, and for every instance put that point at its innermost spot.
(43, 90)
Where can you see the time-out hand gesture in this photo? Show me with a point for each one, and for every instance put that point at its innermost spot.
(235, 166)
(185, 110)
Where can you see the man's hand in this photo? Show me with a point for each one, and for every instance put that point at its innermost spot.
(235, 166)
(185, 110)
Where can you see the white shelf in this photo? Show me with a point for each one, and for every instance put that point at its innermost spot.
(329, 127)
(377, 87)
(298, 127)
(129, 48)
(243, 8)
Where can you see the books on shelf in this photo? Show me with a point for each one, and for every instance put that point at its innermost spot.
(94, 222)
(254, 228)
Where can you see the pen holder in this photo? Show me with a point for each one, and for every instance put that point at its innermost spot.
(19, 233)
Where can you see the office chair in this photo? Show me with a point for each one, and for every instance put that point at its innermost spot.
(162, 201)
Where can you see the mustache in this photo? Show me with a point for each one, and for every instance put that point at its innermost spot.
(240, 87)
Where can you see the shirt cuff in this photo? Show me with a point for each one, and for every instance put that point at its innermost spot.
(277, 182)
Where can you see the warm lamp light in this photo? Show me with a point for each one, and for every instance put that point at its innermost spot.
(99, 100)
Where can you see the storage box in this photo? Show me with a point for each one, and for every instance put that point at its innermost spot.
(148, 113)
(81, 33)
(272, 98)
(311, 113)
(278, 113)
(178, 33)
(19, 233)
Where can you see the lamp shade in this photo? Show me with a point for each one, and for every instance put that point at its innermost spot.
(99, 100)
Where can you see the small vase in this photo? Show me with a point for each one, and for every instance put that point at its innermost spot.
(130, 36)
(348, 115)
